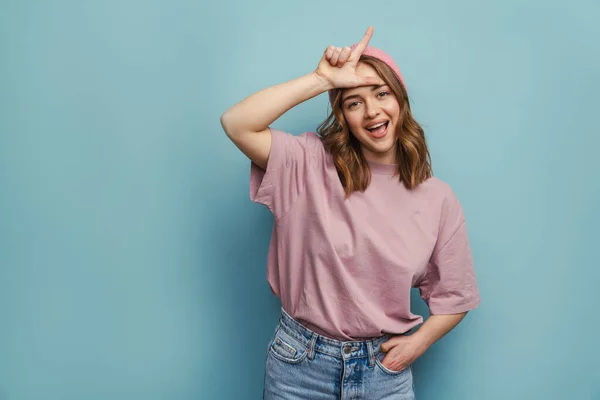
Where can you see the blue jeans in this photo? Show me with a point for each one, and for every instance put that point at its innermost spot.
(304, 365)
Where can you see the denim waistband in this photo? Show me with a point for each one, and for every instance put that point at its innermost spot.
(335, 348)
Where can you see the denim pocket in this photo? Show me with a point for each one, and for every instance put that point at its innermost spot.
(379, 358)
(286, 348)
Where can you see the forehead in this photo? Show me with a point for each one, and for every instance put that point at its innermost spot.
(363, 70)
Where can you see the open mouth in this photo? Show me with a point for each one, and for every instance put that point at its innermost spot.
(379, 130)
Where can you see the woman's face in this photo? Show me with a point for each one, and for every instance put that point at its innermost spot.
(372, 114)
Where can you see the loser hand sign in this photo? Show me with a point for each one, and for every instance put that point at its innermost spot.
(338, 65)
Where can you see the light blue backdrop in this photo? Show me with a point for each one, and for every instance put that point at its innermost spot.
(132, 263)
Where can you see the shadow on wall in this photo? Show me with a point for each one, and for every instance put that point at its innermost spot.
(244, 312)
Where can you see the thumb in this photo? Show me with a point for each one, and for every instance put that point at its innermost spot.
(368, 81)
(394, 341)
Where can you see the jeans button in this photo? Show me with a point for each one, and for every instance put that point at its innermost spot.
(347, 349)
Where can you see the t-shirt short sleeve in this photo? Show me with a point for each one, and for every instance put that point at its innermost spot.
(283, 181)
(449, 285)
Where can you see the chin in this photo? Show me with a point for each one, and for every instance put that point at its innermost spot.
(378, 146)
(383, 147)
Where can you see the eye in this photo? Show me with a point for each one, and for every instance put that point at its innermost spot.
(352, 105)
(383, 94)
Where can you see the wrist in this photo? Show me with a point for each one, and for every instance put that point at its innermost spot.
(422, 341)
(322, 82)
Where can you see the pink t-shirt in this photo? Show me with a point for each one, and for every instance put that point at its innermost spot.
(345, 267)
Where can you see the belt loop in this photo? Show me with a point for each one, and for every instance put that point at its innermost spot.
(311, 346)
(370, 352)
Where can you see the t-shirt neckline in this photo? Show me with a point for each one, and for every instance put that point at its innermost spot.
(382, 169)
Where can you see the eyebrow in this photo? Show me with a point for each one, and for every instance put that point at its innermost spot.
(356, 95)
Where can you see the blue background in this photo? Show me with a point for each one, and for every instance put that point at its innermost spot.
(132, 263)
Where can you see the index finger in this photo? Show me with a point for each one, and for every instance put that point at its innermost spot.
(364, 42)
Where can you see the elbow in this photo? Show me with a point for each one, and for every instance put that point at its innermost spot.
(226, 123)
(230, 126)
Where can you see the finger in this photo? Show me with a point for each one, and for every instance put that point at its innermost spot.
(345, 53)
(362, 45)
(335, 57)
(389, 364)
(395, 340)
(329, 52)
(398, 369)
(387, 346)
(395, 362)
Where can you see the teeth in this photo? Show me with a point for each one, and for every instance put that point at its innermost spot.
(377, 126)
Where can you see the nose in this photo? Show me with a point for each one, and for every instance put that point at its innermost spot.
(371, 110)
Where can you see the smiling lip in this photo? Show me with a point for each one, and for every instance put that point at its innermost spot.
(381, 134)
(375, 123)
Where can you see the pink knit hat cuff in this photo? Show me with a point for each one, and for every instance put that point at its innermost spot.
(380, 55)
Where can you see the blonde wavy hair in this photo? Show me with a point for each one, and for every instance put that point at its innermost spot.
(412, 154)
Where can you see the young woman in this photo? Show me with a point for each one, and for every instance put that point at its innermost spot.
(359, 221)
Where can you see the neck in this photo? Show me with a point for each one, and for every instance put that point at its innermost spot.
(382, 169)
(388, 159)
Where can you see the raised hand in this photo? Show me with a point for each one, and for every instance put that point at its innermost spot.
(338, 65)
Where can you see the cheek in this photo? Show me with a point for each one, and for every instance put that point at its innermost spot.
(393, 110)
(353, 121)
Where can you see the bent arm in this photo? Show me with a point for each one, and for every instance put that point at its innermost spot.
(436, 327)
(247, 122)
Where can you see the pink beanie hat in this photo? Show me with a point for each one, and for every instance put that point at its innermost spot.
(380, 55)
